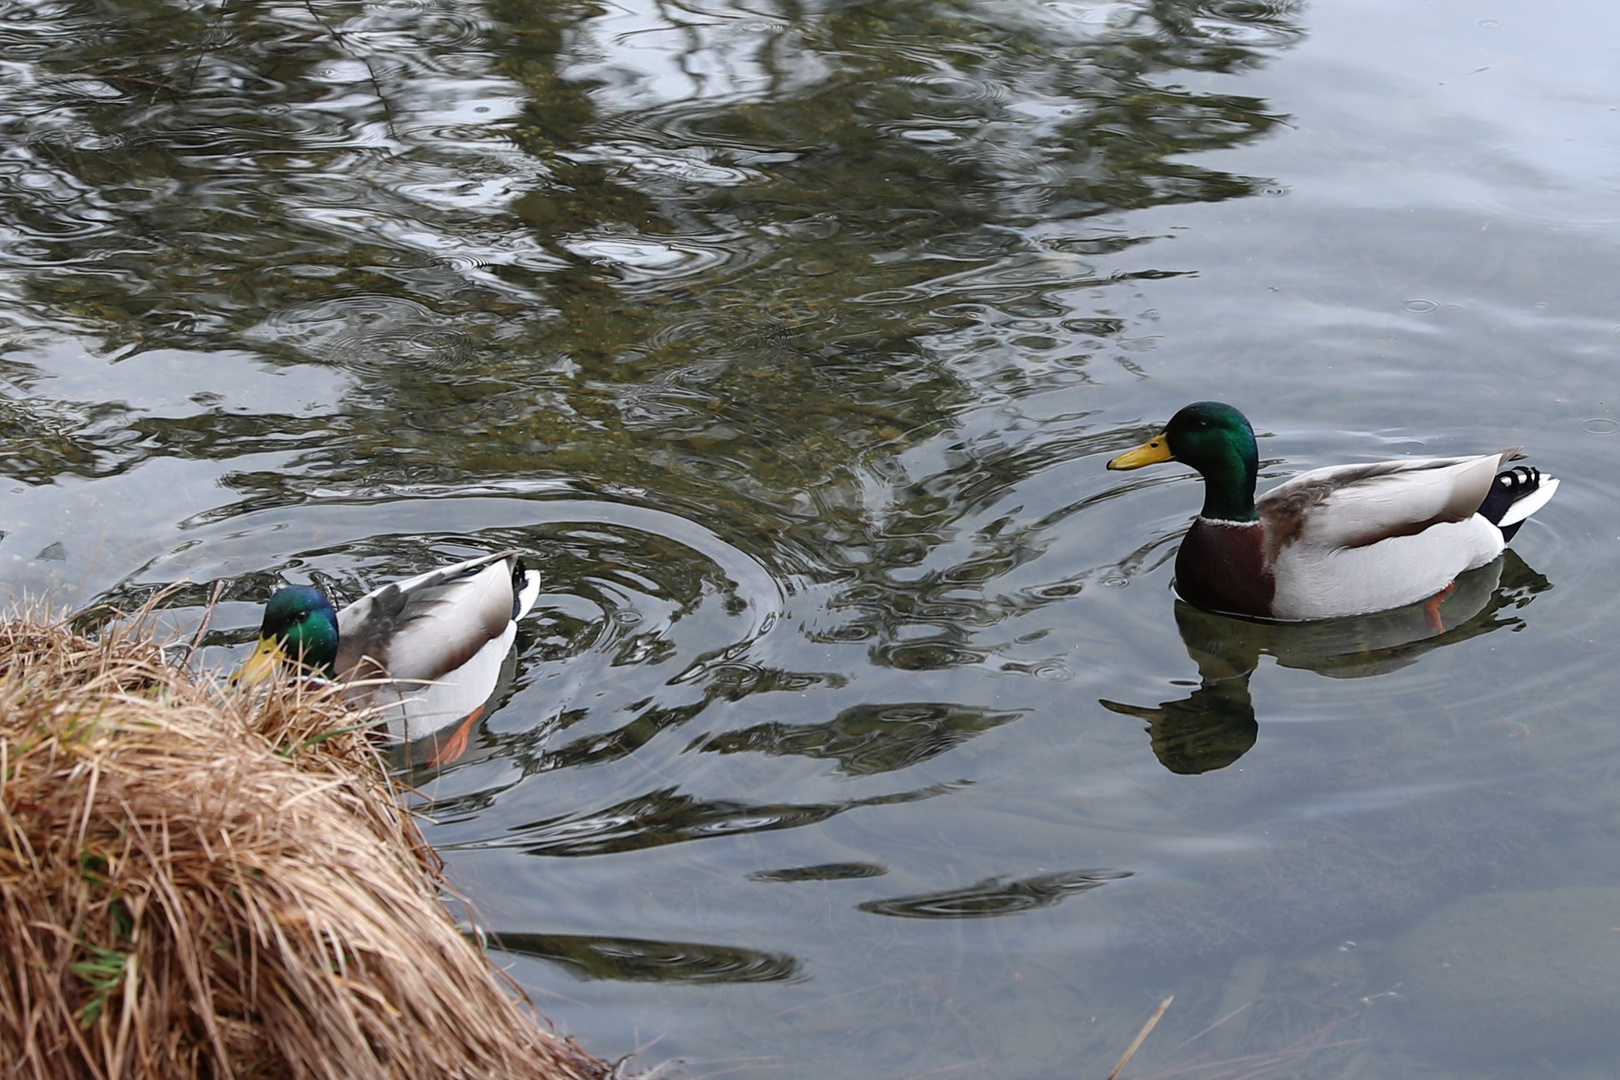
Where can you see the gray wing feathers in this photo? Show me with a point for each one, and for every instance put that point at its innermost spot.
(429, 625)
(1350, 506)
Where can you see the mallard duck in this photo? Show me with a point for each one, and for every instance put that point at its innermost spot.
(1345, 540)
(426, 651)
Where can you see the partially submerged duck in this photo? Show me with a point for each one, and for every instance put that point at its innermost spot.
(1344, 540)
(426, 651)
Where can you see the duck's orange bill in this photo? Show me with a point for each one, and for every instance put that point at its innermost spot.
(265, 663)
(1152, 452)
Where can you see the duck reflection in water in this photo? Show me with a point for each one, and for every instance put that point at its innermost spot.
(1215, 724)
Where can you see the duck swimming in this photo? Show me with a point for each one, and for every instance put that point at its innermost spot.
(1344, 540)
(426, 652)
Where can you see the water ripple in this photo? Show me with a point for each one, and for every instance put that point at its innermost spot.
(867, 739)
(1554, 181)
(667, 816)
(649, 259)
(995, 896)
(366, 332)
(845, 871)
(647, 960)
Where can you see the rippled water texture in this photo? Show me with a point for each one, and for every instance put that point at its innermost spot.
(856, 731)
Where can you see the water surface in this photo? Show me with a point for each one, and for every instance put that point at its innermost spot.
(857, 731)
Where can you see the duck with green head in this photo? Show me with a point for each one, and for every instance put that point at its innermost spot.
(1344, 540)
(426, 652)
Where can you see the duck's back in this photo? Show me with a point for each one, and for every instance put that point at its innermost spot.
(1349, 506)
(1356, 539)
(431, 648)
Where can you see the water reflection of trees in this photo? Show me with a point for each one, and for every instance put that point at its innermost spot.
(745, 298)
(191, 172)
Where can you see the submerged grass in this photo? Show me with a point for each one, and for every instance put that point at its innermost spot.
(204, 885)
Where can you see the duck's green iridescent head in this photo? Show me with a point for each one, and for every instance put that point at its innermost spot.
(300, 628)
(1215, 439)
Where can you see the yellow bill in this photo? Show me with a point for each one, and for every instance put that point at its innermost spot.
(265, 663)
(1152, 452)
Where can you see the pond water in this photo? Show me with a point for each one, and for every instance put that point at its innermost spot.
(857, 731)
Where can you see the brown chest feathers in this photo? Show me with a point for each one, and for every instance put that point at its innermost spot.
(1222, 567)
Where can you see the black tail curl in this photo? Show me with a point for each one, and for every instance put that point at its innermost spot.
(1509, 487)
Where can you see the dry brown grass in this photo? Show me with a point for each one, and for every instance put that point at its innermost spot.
(197, 885)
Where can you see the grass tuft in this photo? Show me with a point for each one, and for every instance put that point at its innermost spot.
(202, 884)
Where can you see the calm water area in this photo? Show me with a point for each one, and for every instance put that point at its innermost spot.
(857, 732)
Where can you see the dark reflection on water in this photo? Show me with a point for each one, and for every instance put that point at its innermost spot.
(995, 896)
(824, 872)
(422, 197)
(1215, 725)
(867, 739)
(667, 816)
(641, 960)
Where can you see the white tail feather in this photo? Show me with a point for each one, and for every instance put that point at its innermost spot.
(529, 592)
